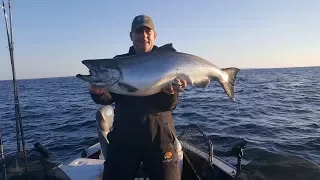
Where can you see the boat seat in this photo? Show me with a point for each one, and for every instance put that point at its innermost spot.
(104, 120)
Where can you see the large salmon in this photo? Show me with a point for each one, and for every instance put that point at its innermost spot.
(146, 74)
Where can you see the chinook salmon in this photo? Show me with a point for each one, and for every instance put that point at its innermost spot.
(146, 74)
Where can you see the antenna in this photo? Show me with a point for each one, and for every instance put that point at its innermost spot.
(19, 128)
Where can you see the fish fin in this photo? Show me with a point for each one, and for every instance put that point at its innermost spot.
(229, 85)
(183, 91)
(127, 87)
(203, 83)
(167, 47)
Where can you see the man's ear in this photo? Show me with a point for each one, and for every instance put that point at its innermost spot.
(155, 35)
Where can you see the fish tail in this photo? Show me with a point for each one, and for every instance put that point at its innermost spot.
(228, 85)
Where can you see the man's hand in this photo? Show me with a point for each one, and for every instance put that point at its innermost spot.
(96, 90)
(178, 86)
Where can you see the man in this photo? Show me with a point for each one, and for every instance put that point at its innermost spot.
(143, 128)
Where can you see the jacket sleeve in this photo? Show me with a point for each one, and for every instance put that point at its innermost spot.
(163, 101)
(104, 99)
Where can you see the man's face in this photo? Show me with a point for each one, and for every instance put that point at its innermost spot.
(143, 39)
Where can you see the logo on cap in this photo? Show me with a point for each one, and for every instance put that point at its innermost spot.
(142, 19)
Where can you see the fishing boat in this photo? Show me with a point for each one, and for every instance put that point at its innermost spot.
(197, 160)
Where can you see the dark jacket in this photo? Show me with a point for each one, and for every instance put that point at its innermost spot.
(137, 117)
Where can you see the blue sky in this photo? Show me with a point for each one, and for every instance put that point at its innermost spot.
(52, 37)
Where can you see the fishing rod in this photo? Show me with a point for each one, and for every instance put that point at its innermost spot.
(2, 157)
(19, 129)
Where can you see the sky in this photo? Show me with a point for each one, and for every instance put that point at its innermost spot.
(52, 37)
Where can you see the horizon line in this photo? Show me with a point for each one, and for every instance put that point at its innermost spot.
(289, 67)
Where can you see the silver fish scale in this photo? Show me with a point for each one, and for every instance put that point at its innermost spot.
(150, 72)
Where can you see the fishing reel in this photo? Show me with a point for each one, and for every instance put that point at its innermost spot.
(237, 151)
(44, 152)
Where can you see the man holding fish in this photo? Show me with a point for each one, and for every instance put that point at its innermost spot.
(143, 129)
(144, 84)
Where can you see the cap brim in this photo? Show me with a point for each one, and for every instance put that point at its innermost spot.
(142, 25)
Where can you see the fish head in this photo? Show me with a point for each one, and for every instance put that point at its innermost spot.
(100, 74)
(92, 78)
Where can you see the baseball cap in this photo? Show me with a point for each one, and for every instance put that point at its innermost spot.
(142, 20)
